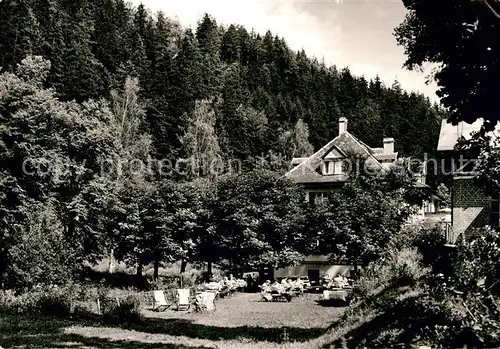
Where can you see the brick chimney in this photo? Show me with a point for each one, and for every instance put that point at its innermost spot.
(388, 145)
(342, 125)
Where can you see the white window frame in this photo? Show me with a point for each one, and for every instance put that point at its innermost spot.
(332, 167)
(338, 167)
(320, 197)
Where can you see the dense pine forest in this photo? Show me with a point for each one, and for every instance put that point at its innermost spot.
(260, 91)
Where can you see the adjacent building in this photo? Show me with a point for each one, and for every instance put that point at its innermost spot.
(471, 207)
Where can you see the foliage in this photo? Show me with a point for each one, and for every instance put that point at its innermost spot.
(459, 37)
(50, 157)
(358, 222)
(253, 219)
(45, 300)
(403, 302)
(124, 310)
(400, 267)
(40, 254)
(200, 142)
(122, 86)
(302, 146)
(429, 240)
(483, 160)
(477, 265)
(444, 192)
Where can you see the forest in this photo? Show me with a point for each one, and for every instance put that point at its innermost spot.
(90, 84)
(256, 85)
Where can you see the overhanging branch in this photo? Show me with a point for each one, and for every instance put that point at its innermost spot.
(487, 3)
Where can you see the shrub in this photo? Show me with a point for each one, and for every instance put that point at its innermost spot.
(399, 268)
(405, 267)
(47, 300)
(121, 310)
(39, 253)
(411, 305)
(57, 304)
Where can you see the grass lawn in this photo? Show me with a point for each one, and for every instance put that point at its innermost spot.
(241, 322)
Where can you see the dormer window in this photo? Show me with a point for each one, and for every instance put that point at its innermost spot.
(332, 167)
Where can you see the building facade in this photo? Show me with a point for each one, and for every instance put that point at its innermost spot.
(327, 169)
(471, 207)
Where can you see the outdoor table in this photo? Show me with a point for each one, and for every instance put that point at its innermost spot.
(212, 286)
(336, 293)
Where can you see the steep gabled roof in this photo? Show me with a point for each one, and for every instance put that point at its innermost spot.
(382, 157)
(345, 143)
(297, 161)
(450, 134)
(379, 153)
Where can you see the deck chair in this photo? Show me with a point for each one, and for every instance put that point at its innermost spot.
(266, 295)
(276, 295)
(183, 302)
(205, 302)
(297, 291)
(159, 301)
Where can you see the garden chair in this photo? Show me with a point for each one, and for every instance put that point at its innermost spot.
(224, 292)
(160, 302)
(297, 291)
(205, 302)
(183, 302)
(280, 295)
(266, 296)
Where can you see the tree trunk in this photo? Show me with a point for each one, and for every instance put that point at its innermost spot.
(183, 266)
(139, 269)
(111, 266)
(156, 268)
(356, 262)
(209, 269)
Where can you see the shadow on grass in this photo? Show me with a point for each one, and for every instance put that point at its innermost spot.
(337, 303)
(46, 332)
(182, 327)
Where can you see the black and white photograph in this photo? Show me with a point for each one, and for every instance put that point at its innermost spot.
(249, 174)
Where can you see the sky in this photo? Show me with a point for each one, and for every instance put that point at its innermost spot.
(353, 33)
